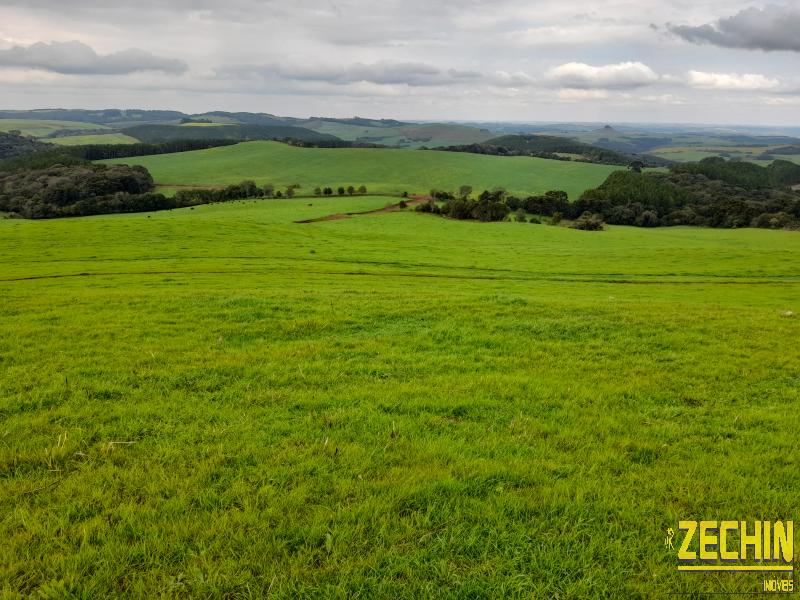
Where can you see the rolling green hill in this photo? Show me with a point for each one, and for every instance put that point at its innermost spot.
(381, 170)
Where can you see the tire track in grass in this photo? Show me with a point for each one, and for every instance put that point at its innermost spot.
(412, 275)
(412, 201)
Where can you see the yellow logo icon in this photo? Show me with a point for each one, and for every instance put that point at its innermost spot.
(668, 539)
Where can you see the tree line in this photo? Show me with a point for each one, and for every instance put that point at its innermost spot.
(81, 189)
(13, 144)
(75, 190)
(710, 193)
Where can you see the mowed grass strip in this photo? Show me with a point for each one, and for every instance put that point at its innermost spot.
(389, 171)
(220, 402)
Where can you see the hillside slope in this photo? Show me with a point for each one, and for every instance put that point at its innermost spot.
(381, 170)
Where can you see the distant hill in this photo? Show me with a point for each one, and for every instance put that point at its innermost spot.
(153, 134)
(102, 117)
(246, 118)
(555, 147)
(395, 133)
(13, 145)
(361, 122)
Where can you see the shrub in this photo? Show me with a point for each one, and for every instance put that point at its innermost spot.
(648, 218)
(589, 222)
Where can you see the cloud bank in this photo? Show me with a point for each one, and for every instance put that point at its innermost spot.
(76, 58)
(769, 29)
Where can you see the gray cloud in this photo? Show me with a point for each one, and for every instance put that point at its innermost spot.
(414, 59)
(75, 58)
(769, 29)
(380, 73)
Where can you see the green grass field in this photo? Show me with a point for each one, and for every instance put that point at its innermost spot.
(220, 402)
(42, 128)
(381, 170)
(105, 138)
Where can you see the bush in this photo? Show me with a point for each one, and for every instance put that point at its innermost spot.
(520, 216)
(589, 222)
(648, 218)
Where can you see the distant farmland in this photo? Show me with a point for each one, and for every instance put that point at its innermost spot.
(102, 138)
(42, 128)
(388, 171)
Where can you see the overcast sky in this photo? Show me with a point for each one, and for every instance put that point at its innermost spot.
(691, 61)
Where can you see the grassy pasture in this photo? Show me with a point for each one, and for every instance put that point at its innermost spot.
(381, 170)
(42, 128)
(103, 138)
(222, 403)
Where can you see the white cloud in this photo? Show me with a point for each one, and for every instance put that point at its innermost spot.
(622, 75)
(577, 94)
(731, 81)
